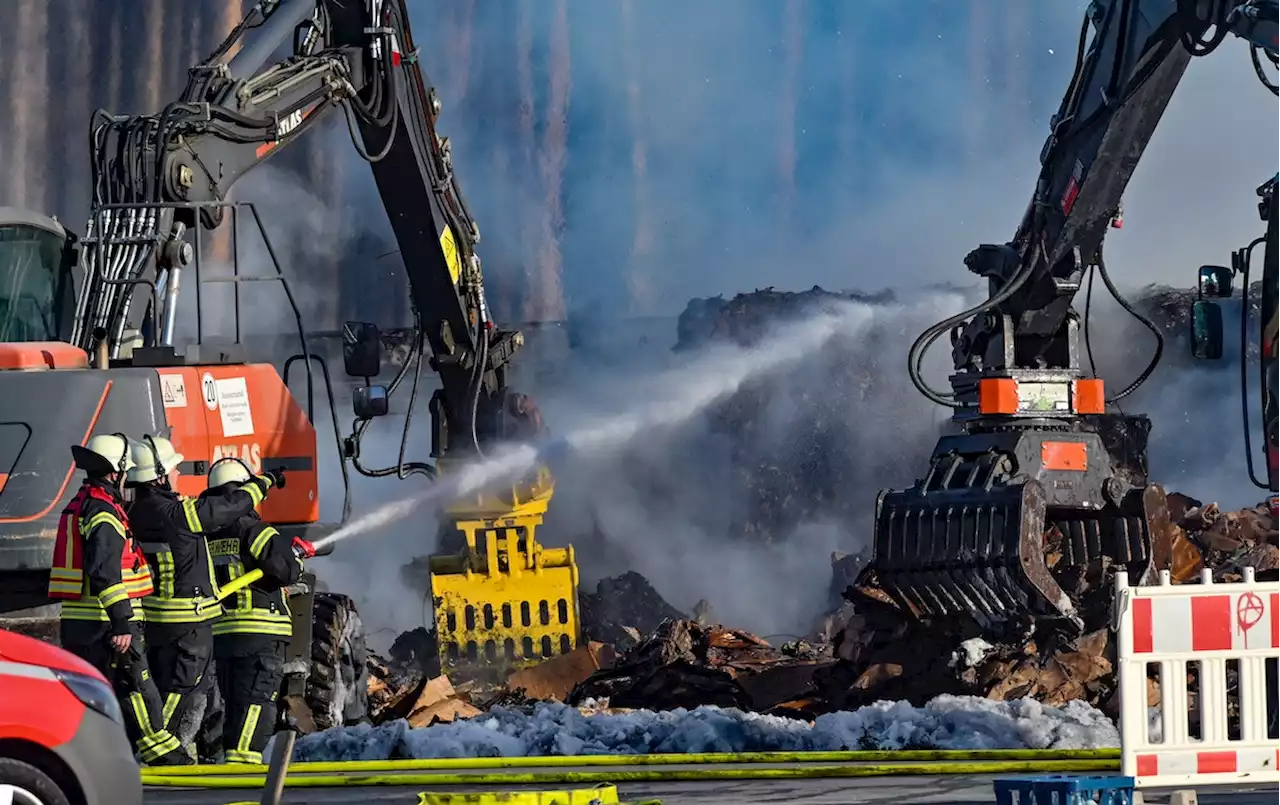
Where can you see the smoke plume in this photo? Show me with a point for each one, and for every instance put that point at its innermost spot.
(901, 164)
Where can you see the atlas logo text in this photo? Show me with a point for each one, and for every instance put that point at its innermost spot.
(250, 454)
(288, 123)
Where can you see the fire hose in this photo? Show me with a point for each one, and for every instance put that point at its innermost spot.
(240, 582)
(501, 771)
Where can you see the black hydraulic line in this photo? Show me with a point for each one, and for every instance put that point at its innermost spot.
(403, 469)
(915, 357)
(1194, 27)
(401, 473)
(1190, 31)
(1244, 362)
(1132, 311)
(253, 54)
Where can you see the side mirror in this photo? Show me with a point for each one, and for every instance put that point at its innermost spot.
(1214, 282)
(1206, 330)
(368, 402)
(361, 349)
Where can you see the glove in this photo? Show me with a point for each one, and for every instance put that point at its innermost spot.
(275, 478)
(303, 548)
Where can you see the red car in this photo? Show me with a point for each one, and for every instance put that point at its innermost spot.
(62, 739)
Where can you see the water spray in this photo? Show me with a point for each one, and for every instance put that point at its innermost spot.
(694, 387)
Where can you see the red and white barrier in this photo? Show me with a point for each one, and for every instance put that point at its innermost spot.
(1212, 625)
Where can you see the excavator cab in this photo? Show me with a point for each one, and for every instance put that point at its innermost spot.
(502, 600)
(38, 295)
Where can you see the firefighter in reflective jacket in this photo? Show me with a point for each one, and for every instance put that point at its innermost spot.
(250, 637)
(171, 530)
(99, 575)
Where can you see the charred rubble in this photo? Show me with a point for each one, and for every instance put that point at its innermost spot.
(642, 652)
(855, 656)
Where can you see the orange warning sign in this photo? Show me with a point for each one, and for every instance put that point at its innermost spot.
(1064, 456)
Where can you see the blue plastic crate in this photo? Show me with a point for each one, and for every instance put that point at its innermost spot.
(1062, 789)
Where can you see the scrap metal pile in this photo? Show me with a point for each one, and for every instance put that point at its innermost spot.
(856, 656)
(641, 652)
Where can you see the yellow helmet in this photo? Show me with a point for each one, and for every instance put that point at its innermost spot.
(154, 458)
(103, 454)
(228, 471)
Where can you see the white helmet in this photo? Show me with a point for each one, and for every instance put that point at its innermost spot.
(228, 471)
(153, 458)
(103, 454)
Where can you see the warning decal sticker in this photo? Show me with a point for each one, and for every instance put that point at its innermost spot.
(233, 402)
(173, 391)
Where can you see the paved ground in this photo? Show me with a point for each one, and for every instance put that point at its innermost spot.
(954, 790)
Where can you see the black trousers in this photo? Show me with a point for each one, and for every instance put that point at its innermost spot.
(130, 676)
(181, 657)
(250, 670)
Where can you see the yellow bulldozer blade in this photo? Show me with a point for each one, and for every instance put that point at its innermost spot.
(504, 601)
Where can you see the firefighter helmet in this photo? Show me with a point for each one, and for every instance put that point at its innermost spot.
(153, 458)
(228, 471)
(103, 454)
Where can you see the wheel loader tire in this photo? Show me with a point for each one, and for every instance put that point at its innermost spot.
(337, 687)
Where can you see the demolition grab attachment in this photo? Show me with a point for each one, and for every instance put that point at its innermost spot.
(504, 601)
(1041, 489)
(972, 538)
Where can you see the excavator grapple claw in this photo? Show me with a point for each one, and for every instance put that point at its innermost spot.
(503, 600)
(979, 542)
(967, 553)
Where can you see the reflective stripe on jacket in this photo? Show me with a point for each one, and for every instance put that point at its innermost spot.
(262, 608)
(172, 533)
(98, 571)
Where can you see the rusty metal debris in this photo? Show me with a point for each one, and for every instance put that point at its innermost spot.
(885, 656)
(862, 651)
(683, 664)
(554, 679)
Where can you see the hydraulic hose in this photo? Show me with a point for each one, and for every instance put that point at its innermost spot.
(818, 772)
(477, 381)
(403, 469)
(1147, 323)
(915, 358)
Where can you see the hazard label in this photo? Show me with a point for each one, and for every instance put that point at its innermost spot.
(173, 391)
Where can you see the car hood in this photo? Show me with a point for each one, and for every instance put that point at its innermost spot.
(29, 651)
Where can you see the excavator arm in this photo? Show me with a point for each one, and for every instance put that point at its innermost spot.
(159, 180)
(1036, 457)
(155, 177)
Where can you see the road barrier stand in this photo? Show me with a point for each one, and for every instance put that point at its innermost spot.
(1060, 789)
(1225, 636)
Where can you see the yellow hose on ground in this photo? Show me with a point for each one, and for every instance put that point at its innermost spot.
(665, 759)
(638, 776)
(596, 795)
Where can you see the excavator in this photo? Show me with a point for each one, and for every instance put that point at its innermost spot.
(1036, 445)
(89, 329)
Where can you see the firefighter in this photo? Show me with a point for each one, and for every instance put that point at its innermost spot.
(99, 575)
(250, 637)
(171, 531)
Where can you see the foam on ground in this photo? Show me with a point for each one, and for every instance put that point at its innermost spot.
(947, 722)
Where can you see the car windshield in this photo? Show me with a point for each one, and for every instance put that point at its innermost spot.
(36, 290)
